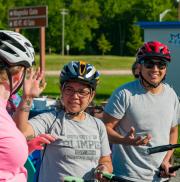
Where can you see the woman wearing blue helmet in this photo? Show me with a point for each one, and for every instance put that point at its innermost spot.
(82, 145)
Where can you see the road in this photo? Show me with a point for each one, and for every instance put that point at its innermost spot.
(103, 72)
(177, 178)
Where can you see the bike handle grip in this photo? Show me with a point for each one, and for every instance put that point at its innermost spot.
(171, 169)
(72, 179)
(162, 148)
(110, 176)
(174, 168)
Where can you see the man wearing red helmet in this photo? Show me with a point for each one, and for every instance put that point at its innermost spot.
(142, 114)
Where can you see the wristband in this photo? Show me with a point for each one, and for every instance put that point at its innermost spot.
(25, 109)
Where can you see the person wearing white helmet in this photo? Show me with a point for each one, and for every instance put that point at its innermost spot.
(82, 146)
(16, 56)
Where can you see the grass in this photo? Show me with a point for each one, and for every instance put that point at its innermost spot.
(104, 89)
(177, 150)
(56, 62)
(107, 83)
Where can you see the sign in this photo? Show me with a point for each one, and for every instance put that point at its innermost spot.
(28, 17)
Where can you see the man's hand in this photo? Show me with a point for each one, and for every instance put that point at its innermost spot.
(132, 139)
(38, 142)
(164, 173)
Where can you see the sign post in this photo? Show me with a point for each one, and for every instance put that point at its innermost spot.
(31, 17)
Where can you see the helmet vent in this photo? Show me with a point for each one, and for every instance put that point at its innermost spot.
(82, 68)
(80, 71)
(27, 44)
(7, 49)
(4, 37)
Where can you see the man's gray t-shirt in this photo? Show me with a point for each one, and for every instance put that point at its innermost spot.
(147, 113)
(78, 149)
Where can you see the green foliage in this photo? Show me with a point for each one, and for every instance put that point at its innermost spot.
(82, 19)
(135, 40)
(103, 92)
(103, 44)
(146, 10)
(108, 83)
(87, 20)
(53, 35)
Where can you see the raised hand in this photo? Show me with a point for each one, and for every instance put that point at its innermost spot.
(38, 142)
(34, 83)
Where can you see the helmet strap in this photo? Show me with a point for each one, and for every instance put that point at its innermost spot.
(18, 86)
(149, 85)
(14, 90)
(10, 79)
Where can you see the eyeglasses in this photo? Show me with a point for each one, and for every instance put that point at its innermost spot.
(150, 64)
(71, 91)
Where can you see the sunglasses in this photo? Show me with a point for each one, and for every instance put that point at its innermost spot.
(150, 64)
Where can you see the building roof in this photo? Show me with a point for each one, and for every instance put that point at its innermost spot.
(154, 25)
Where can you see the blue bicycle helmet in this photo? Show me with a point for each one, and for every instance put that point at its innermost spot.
(80, 71)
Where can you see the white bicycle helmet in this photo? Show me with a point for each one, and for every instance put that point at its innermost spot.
(15, 49)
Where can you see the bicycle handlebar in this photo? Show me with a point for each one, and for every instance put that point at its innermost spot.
(109, 176)
(112, 177)
(171, 169)
(72, 179)
(162, 148)
(174, 168)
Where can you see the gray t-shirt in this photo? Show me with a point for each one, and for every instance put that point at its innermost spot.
(147, 113)
(78, 149)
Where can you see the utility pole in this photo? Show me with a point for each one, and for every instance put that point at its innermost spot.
(178, 10)
(63, 13)
(161, 15)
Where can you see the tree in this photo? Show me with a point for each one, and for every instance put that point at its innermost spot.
(87, 20)
(135, 39)
(103, 44)
(117, 19)
(80, 22)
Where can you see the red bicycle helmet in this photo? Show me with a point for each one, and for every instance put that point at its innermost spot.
(153, 49)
